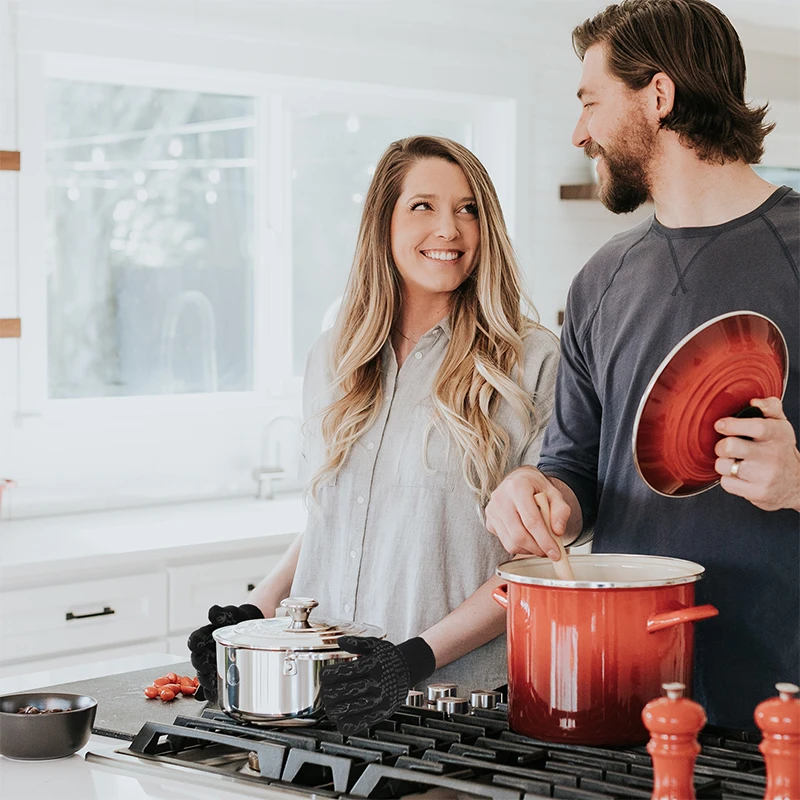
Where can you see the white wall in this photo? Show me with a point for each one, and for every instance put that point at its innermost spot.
(518, 49)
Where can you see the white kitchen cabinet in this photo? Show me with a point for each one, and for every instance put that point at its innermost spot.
(62, 618)
(91, 584)
(193, 589)
(177, 646)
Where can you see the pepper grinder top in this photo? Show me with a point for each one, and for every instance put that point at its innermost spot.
(674, 722)
(674, 715)
(779, 721)
(780, 716)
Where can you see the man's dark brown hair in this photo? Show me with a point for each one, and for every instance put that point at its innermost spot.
(693, 43)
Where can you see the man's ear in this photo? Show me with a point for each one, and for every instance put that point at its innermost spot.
(662, 88)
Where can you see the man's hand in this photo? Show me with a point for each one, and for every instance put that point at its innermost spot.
(513, 516)
(768, 471)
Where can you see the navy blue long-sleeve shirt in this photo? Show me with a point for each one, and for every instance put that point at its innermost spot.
(637, 297)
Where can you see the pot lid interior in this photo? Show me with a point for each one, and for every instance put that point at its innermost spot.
(295, 631)
(604, 570)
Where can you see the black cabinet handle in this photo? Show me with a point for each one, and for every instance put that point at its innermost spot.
(106, 612)
(250, 587)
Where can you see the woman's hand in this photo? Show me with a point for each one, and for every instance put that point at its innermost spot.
(360, 693)
(204, 649)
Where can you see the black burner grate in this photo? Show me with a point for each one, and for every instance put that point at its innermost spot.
(473, 755)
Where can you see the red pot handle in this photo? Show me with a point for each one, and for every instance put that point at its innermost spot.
(671, 618)
(500, 594)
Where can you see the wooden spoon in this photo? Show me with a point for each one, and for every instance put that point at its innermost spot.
(562, 567)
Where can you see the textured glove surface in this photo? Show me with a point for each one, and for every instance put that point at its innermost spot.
(360, 693)
(204, 649)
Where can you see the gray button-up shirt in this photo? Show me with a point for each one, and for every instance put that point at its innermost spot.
(390, 541)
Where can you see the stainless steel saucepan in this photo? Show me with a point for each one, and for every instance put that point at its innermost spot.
(268, 669)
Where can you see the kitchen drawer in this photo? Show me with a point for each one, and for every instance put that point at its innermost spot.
(194, 589)
(81, 616)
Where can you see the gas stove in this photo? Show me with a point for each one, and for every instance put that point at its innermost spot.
(423, 752)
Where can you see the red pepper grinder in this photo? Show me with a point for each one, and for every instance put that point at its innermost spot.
(674, 722)
(779, 720)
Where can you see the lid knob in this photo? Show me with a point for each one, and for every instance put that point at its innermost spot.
(299, 609)
(674, 722)
(779, 721)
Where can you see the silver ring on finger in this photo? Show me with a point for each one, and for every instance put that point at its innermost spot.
(734, 471)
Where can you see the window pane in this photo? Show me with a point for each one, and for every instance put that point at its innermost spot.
(333, 158)
(780, 176)
(150, 240)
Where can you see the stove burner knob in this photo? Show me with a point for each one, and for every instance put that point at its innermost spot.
(437, 690)
(415, 698)
(484, 699)
(452, 705)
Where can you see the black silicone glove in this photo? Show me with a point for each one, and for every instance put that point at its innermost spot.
(204, 649)
(360, 693)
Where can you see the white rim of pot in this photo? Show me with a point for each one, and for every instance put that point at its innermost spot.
(677, 571)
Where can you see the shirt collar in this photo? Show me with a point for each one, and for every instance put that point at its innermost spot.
(446, 327)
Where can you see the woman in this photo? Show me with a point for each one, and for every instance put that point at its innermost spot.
(431, 386)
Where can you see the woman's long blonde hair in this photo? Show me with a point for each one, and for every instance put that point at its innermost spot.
(484, 358)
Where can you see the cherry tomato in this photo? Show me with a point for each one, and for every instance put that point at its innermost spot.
(187, 688)
(161, 681)
(167, 695)
(173, 678)
(151, 692)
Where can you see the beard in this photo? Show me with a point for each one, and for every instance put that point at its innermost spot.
(627, 157)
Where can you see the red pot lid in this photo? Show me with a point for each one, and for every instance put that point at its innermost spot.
(713, 372)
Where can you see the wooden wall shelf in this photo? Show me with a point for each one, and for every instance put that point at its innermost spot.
(10, 328)
(579, 191)
(9, 160)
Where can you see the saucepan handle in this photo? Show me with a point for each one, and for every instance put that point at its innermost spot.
(500, 594)
(678, 617)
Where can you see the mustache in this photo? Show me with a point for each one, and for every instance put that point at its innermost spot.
(592, 150)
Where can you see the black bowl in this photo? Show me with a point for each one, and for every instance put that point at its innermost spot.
(36, 737)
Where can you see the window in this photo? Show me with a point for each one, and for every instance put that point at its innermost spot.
(150, 240)
(780, 176)
(184, 236)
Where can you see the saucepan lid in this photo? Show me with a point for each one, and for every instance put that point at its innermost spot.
(713, 372)
(294, 631)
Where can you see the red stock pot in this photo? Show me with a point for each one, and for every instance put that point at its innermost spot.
(585, 656)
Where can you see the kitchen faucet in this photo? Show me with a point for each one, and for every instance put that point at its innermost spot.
(273, 467)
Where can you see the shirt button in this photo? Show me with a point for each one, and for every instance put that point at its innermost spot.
(353, 554)
(347, 607)
(360, 499)
(418, 356)
(370, 445)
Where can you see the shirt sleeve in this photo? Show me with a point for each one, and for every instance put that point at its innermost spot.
(539, 379)
(572, 439)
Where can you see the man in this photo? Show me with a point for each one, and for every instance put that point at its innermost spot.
(663, 112)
